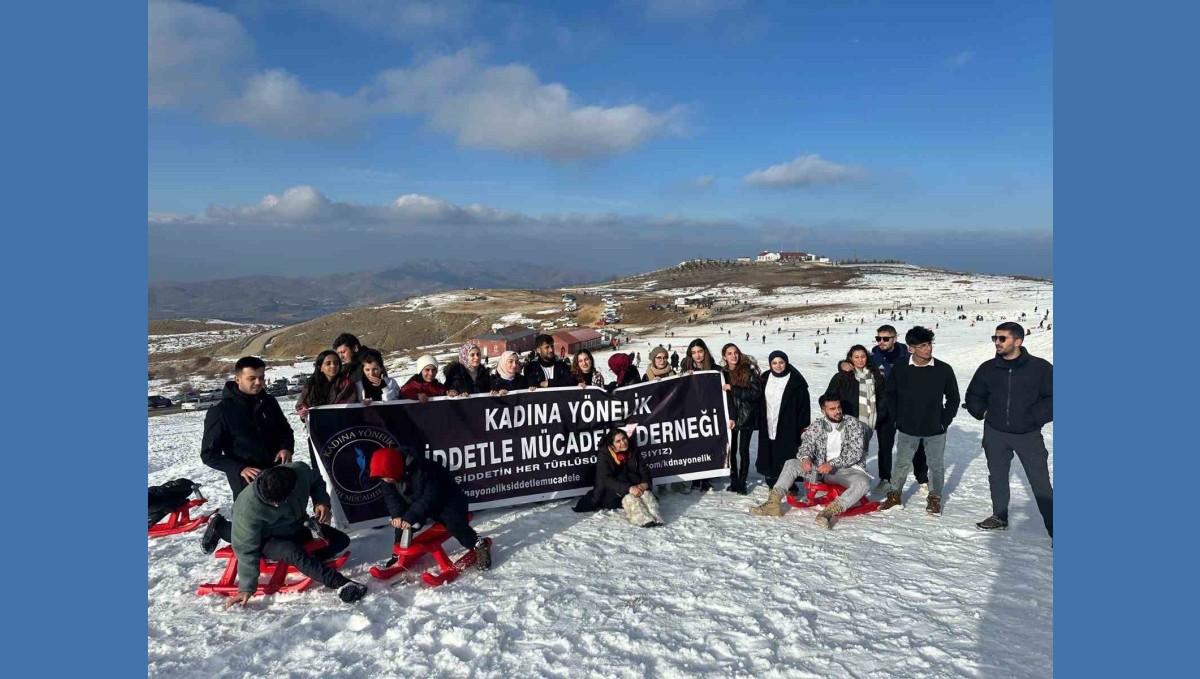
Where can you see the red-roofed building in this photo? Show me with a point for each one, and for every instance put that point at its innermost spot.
(574, 339)
(516, 338)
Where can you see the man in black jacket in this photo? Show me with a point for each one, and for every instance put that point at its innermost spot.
(886, 353)
(544, 370)
(246, 432)
(1014, 394)
(922, 394)
(416, 490)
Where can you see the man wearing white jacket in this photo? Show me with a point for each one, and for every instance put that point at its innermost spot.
(831, 451)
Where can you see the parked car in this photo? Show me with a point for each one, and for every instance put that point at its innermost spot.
(197, 404)
(159, 402)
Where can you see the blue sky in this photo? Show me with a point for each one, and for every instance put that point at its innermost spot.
(858, 118)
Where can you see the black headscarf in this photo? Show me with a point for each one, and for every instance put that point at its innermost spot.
(774, 355)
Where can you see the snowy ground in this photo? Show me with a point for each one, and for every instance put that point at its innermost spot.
(715, 592)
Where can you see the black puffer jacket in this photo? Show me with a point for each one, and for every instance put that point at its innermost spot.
(426, 490)
(744, 402)
(244, 431)
(1015, 396)
(535, 375)
(459, 379)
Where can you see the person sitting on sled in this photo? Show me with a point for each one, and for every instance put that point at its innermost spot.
(417, 490)
(831, 451)
(269, 523)
(622, 481)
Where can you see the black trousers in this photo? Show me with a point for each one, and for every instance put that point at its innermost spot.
(454, 518)
(998, 448)
(739, 456)
(290, 549)
(887, 439)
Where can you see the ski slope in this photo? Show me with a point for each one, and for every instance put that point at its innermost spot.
(716, 592)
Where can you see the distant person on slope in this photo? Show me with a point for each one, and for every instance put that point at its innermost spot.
(246, 432)
(743, 388)
(785, 413)
(923, 394)
(375, 385)
(269, 523)
(467, 375)
(1014, 394)
(507, 376)
(622, 481)
(675, 359)
(886, 353)
(424, 383)
(543, 369)
(831, 451)
(583, 370)
(418, 490)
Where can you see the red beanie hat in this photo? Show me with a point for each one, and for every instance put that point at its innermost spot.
(619, 363)
(387, 463)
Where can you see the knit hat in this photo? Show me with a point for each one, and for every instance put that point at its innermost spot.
(656, 351)
(387, 463)
(425, 360)
(275, 484)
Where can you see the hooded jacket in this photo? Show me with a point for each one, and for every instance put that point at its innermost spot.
(255, 521)
(422, 489)
(244, 431)
(1015, 396)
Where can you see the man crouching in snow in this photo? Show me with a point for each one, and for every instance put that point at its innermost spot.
(416, 490)
(831, 451)
(622, 481)
(269, 522)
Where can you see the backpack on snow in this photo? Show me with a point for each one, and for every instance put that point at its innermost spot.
(168, 497)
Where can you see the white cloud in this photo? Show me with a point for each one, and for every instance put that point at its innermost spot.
(201, 58)
(195, 53)
(405, 20)
(961, 59)
(807, 170)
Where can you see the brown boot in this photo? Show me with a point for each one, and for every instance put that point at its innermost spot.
(771, 507)
(935, 505)
(892, 500)
(825, 518)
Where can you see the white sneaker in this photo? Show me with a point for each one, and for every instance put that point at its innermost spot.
(923, 490)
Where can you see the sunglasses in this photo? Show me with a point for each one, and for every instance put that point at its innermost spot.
(1000, 339)
(884, 338)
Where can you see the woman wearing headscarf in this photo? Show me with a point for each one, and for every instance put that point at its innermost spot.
(860, 391)
(625, 371)
(698, 357)
(467, 375)
(507, 376)
(659, 367)
(424, 383)
(744, 390)
(622, 480)
(583, 370)
(785, 414)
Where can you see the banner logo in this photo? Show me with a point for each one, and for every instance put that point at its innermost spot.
(347, 455)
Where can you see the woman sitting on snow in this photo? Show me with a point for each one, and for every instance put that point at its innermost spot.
(424, 383)
(622, 481)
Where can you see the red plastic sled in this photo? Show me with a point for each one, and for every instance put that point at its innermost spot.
(276, 573)
(180, 520)
(429, 542)
(821, 494)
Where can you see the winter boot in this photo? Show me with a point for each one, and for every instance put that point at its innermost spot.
(934, 506)
(992, 523)
(483, 555)
(208, 543)
(771, 507)
(683, 487)
(391, 561)
(892, 500)
(825, 517)
(351, 591)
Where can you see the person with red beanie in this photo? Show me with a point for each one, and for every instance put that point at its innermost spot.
(625, 371)
(416, 491)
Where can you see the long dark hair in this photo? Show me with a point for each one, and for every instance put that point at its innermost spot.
(870, 366)
(610, 436)
(319, 386)
(740, 372)
(708, 357)
(579, 376)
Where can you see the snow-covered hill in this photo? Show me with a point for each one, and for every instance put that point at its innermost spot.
(715, 592)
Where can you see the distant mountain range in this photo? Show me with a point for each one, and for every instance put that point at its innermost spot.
(284, 300)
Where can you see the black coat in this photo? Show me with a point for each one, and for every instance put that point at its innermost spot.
(613, 481)
(534, 375)
(244, 431)
(923, 401)
(426, 491)
(500, 384)
(845, 385)
(1016, 396)
(744, 402)
(459, 379)
(795, 414)
(631, 377)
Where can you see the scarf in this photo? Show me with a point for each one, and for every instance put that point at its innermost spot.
(504, 374)
(619, 457)
(375, 393)
(866, 396)
(654, 373)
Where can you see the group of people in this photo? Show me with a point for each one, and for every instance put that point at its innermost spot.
(896, 393)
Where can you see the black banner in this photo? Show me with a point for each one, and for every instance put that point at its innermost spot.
(524, 446)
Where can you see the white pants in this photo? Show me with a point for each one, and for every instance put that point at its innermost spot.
(642, 509)
(856, 481)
